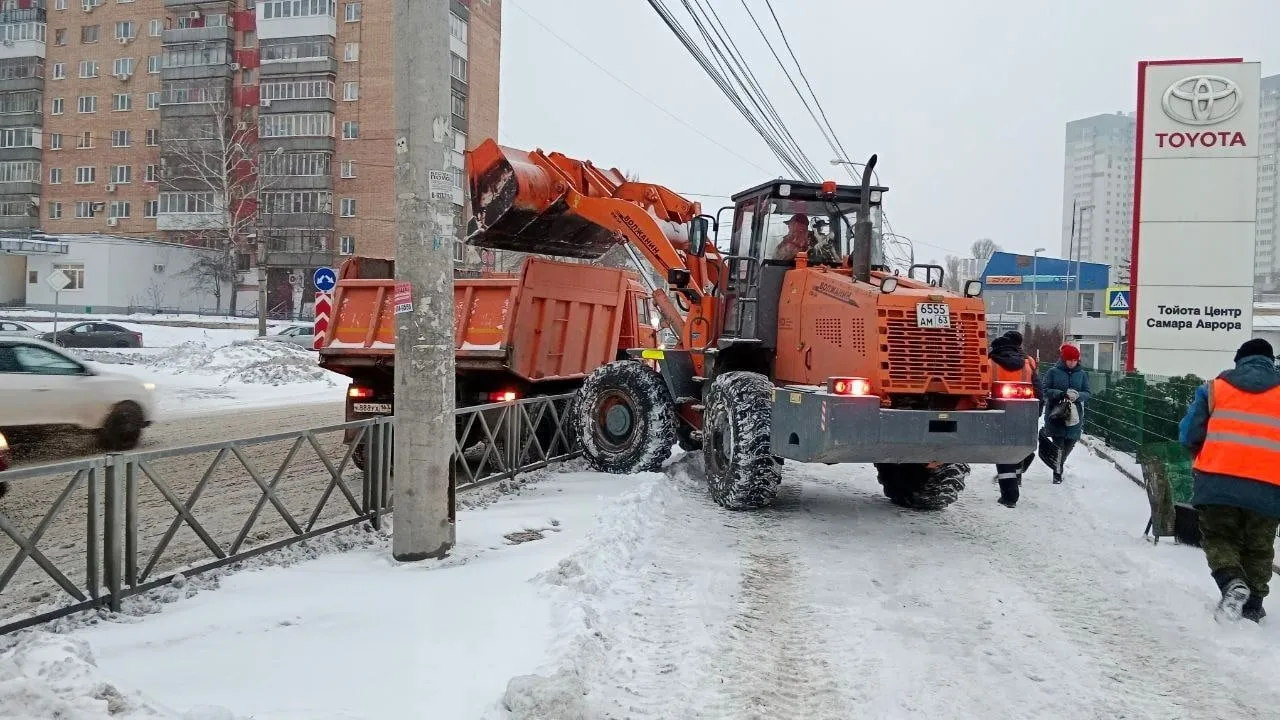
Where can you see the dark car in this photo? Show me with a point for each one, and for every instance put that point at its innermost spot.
(94, 335)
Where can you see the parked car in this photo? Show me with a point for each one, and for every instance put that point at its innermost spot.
(43, 388)
(94, 335)
(12, 328)
(300, 335)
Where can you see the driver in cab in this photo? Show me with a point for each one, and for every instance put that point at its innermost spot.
(799, 239)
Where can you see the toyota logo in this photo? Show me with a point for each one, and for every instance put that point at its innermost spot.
(1202, 100)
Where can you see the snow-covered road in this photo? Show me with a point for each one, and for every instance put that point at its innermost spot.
(639, 598)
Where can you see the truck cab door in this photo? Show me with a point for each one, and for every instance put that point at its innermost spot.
(742, 287)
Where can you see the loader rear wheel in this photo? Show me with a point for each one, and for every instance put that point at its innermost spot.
(624, 418)
(922, 487)
(742, 473)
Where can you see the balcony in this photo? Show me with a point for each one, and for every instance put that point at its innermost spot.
(296, 144)
(309, 220)
(290, 27)
(203, 5)
(297, 182)
(196, 34)
(298, 105)
(13, 190)
(189, 221)
(33, 118)
(290, 255)
(18, 222)
(302, 66)
(196, 72)
(38, 15)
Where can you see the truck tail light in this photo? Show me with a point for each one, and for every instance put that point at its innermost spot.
(1013, 391)
(356, 392)
(503, 396)
(851, 386)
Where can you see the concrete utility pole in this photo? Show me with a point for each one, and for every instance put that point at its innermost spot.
(425, 232)
(262, 285)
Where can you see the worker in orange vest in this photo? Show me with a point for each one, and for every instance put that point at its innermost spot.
(1233, 430)
(1010, 364)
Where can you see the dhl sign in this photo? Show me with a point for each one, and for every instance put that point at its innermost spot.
(1004, 280)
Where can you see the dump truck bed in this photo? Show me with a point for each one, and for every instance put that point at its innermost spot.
(551, 321)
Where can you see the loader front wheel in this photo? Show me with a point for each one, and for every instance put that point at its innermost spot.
(742, 473)
(624, 418)
(922, 487)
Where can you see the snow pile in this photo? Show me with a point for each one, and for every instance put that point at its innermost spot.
(243, 361)
(54, 676)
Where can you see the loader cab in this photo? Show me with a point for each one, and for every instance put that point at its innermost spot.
(771, 222)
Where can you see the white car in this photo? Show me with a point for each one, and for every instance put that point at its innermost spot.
(12, 328)
(42, 387)
(301, 335)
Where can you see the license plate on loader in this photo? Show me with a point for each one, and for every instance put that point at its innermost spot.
(933, 315)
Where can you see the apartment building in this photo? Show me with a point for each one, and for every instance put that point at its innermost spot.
(259, 125)
(1266, 261)
(1097, 192)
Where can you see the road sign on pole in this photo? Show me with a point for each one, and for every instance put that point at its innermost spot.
(59, 281)
(324, 308)
(1117, 301)
(325, 279)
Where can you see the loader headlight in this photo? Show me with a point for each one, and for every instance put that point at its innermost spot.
(148, 386)
(888, 284)
(973, 288)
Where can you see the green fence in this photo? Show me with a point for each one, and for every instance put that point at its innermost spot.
(1138, 415)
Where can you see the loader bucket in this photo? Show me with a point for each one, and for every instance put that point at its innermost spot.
(521, 205)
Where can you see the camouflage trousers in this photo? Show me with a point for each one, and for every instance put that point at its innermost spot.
(1240, 543)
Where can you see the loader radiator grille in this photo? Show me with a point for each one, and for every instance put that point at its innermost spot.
(844, 333)
(921, 360)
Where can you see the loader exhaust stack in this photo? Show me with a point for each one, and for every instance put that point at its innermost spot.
(862, 229)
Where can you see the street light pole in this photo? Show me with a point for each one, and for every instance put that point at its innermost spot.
(1035, 279)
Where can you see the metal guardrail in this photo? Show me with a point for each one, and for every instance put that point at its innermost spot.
(99, 530)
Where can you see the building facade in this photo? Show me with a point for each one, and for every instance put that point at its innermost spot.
(1266, 263)
(1097, 191)
(260, 127)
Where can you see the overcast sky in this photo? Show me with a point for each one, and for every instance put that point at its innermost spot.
(964, 101)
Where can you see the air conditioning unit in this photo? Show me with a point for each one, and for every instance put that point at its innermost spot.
(124, 77)
(126, 40)
(242, 126)
(194, 15)
(112, 222)
(111, 188)
(265, 102)
(87, 6)
(235, 66)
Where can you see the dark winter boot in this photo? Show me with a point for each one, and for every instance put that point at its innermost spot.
(1252, 609)
(1234, 595)
(1057, 478)
(1009, 491)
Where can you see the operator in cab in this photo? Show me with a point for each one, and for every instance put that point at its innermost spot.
(800, 239)
(1010, 364)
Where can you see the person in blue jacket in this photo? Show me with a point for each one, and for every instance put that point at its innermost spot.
(1068, 380)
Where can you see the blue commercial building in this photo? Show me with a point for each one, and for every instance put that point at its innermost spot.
(1022, 292)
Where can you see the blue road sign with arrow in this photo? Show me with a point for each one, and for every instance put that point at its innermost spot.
(325, 279)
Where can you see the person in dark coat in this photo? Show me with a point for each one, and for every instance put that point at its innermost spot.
(1011, 364)
(1065, 381)
(1231, 429)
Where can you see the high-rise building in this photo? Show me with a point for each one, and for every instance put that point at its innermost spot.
(1097, 191)
(1266, 263)
(264, 127)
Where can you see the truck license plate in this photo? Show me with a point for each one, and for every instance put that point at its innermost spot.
(372, 408)
(933, 315)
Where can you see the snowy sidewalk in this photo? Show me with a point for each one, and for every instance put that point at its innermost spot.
(642, 599)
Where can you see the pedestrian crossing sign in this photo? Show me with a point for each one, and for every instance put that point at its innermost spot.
(1117, 301)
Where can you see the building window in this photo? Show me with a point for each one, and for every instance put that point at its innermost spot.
(88, 33)
(295, 164)
(20, 171)
(351, 52)
(33, 277)
(296, 202)
(84, 209)
(459, 251)
(458, 66)
(126, 30)
(55, 141)
(74, 273)
(121, 174)
(55, 211)
(86, 174)
(59, 71)
(121, 138)
(459, 104)
(60, 4)
(348, 168)
(151, 174)
(119, 209)
(122, 67)
(121, 102)
(353, 12)
(56, 106)
(55, 176)
(153, 137)
(87, 104)
(13, 32)
(350, 91)
(150, 208)
(88, 68)
(85, 141)
(155, 28)
(195, 55)
(153, 64)
(25, 101)
(153, 101)
(60, 36)
(297, 90)
(294, 50)
(347, 245)
(350, 130)
(1086, 302)
(348, 207)
(185, 92)
(457, 27)
(296, 125)
(19, 137)
(187, 202)
(273, 9)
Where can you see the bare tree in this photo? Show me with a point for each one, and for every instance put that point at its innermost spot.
(984, 248)
(216, 155)
(951, 279)
(211, 273)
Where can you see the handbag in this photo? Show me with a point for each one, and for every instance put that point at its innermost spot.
(1061, 412)
(1047, 449)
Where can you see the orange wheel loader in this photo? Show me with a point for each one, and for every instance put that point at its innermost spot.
(795, 341)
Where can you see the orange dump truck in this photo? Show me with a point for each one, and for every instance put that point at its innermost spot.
(536, 332)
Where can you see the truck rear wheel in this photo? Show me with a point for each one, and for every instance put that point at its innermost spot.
(922, 487)
(742, 473)
(624, 419)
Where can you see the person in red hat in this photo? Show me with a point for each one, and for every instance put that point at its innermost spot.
(1066, 390)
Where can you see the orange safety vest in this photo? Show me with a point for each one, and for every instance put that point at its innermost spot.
(1243, 436)
(1000, 374)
